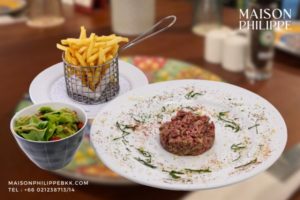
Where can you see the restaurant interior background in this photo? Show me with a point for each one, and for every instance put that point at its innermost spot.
(205, 43)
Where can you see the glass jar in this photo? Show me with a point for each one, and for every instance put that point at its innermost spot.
(45, 13)
(206, 16)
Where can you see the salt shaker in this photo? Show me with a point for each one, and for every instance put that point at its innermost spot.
(213, 51)
(234, 53)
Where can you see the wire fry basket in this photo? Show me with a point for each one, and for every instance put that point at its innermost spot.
(92, 84)
(99, 84)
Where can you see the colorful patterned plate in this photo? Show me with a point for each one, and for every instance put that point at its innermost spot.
(85, 165)
(289, 40)
(11, 6)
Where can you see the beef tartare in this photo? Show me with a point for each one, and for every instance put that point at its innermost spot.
(187, 134)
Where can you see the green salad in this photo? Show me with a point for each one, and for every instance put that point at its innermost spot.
(48, 124)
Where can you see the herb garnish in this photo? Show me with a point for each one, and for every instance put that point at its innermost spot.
(163, 109)
(192, 94)
(159, 116)
(124, 128)
(145, 162)
(200, 171)
(247, 164)
(231, 124)
(128, 149)
(145, 153)
(237, 147)
(148, 160)
(190, 108)
(141, 119)
(237, 158)
(255, 126)
(175, 174)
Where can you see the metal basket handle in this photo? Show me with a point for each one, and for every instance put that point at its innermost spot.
(149, 33)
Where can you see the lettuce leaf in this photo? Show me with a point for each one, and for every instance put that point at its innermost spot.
(47, 123)
(35, 134)
(45, 109)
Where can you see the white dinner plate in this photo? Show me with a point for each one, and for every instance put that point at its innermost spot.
(258, 128)
(50, 85)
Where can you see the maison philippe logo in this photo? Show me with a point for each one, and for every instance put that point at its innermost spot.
(265, 19)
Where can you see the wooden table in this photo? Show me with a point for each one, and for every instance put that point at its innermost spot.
(24, 52)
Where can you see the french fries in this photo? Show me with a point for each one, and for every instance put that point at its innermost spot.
(86, 52)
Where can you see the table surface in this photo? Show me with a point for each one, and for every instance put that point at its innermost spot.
(24, 52)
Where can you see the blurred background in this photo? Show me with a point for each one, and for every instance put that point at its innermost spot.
(205, 43)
